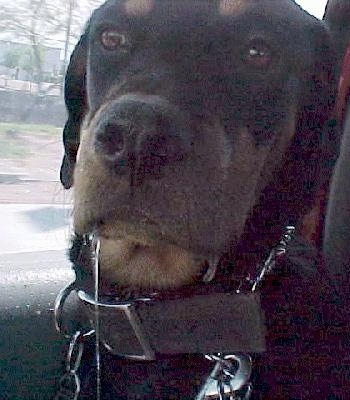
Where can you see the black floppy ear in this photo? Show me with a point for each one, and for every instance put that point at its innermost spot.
(76, 104)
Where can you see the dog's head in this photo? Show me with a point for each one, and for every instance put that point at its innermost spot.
(197, 122)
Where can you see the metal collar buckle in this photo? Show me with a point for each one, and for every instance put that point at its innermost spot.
(115, 318)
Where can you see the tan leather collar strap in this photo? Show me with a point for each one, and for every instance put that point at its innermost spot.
(203, 324)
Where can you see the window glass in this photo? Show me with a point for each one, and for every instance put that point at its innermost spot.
(315, 8)
(36, 39)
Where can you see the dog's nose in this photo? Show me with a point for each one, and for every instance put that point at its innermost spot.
(111, 140)
(144, 133)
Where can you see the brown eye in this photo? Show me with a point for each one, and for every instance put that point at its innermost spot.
(111, 39)
(259, 56)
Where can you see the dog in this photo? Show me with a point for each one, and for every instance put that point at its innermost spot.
(195, 133)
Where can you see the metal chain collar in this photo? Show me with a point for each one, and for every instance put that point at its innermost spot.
(230, 377)
(275, 255)
(70, 384)
(224, 383)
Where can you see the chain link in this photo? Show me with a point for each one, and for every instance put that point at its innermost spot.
(69, 387)
(58, 308)
(229, 379)
(69, 384)
(276, 253)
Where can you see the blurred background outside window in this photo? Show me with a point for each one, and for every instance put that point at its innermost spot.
(36, 41)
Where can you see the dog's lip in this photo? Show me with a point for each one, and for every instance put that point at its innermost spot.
(136, 225)
(140, 226)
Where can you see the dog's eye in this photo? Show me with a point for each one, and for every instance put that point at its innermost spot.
(111, 39)
(259, 56)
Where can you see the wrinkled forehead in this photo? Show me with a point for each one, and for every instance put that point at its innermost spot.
(197, 12)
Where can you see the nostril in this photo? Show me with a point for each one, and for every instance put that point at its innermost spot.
(111, 140)
(115, 138)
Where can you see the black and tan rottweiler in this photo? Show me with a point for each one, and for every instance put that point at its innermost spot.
(195, 134)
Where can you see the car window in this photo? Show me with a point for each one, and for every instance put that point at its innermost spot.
(315, 8)
(36, 40)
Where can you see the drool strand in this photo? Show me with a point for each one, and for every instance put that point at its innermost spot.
(97, 318)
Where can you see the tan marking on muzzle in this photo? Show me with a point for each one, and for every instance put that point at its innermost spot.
(138, 7)
(232, 7)
(149, 267)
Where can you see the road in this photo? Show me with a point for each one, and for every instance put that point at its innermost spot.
(34, 227)
(34, 208)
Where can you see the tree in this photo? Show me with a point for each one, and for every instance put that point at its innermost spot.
(76, 15)
(24, 22)
(45, 22)
(11, 58)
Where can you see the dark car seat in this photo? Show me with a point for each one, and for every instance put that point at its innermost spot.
(336, 243)
(337, 228)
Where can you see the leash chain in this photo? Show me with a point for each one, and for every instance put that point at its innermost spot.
(275, 255)
(69, 384)
(229, 379)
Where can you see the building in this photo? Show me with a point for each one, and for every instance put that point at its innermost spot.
(51, 62)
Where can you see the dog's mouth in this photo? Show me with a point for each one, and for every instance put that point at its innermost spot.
(136, 226)
(138, 253)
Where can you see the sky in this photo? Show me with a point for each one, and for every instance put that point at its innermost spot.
(315, 7)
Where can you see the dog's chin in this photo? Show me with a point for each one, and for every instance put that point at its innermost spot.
(128, 263)
(141, 258)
